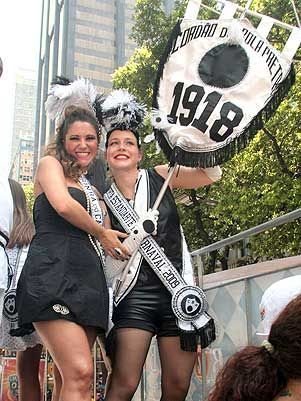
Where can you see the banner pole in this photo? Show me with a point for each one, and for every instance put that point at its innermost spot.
(155, 207)
(164, 187)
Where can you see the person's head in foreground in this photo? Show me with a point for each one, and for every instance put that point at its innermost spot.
(271, 371)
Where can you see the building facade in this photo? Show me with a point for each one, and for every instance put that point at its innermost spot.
(89, 38)
(23, 162)
(23, 127)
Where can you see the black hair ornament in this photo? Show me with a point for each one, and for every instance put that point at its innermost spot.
(121, 111)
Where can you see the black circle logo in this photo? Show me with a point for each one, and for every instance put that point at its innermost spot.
(9, 306)
(224, 66)
(191, 305)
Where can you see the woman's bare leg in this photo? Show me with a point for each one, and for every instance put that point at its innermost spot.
(69, 345)
(28, 363)
(57, 380)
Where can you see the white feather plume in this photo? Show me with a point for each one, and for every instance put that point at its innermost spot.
(121, 110)
(235, 35)
(80, 93)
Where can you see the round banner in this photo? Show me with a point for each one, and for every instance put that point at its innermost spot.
(9, 306)
(189, 303)
(217, 83)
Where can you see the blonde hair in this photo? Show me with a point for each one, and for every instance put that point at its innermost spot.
(57, 149)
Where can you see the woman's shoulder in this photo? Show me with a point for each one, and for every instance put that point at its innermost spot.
(49, 164)
(153, 172)
(48, 159)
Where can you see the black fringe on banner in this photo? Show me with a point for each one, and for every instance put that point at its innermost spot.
(204, 337)
(22, 331)
(218, 156)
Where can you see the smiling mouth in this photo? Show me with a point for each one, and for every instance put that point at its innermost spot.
(121, 157)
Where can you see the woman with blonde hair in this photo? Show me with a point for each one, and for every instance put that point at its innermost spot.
(62, 290)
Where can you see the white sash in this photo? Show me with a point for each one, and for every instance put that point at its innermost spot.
(96, 212)
(130, 217)
(189, 302)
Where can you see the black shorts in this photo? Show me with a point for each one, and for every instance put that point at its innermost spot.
(147, 307)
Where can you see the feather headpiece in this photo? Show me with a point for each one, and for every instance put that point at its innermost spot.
(120, 110)
(64, 93)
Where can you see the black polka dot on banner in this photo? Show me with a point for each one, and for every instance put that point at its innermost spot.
(224, 66)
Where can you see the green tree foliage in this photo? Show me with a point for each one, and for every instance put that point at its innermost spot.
(260, 183)
(150, 32)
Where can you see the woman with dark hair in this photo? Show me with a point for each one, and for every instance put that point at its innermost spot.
(269, 372)
(143, 301)
(62, 290)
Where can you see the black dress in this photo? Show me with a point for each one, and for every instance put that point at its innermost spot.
(62, 277)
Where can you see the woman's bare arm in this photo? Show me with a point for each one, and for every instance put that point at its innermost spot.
(190, 177)
(51, 180)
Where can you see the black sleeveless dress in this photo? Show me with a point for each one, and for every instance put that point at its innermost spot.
(62, 277)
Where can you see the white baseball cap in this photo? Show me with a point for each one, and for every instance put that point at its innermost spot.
(274, 300)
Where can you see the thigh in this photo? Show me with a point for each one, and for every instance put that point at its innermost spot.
(137, 310)
(30, 358)
(91, 335)
(176, 364)
(131, 348)
(68, 344)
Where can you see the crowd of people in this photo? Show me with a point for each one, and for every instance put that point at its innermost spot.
(61, 268)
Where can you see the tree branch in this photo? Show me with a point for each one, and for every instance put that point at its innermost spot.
(283, 165)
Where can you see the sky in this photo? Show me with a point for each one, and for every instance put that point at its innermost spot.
(19, 49)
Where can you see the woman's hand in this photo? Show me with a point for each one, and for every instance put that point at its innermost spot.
(111, 244)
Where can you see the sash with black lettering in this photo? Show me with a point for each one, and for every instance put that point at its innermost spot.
(96, 212)
(189, 302)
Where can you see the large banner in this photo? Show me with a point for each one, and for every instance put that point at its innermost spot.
(218, 82)
(9, 380)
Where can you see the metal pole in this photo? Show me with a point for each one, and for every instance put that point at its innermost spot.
(95, 370)
(164, 187)
(38, 99)
(155, 207)
(45, 376)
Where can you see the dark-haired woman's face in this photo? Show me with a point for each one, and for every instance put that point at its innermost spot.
(122, 151)
(81, 142)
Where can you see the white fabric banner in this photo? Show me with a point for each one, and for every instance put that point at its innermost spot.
(214, 79)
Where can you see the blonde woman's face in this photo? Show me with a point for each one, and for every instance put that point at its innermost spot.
(81, 142)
